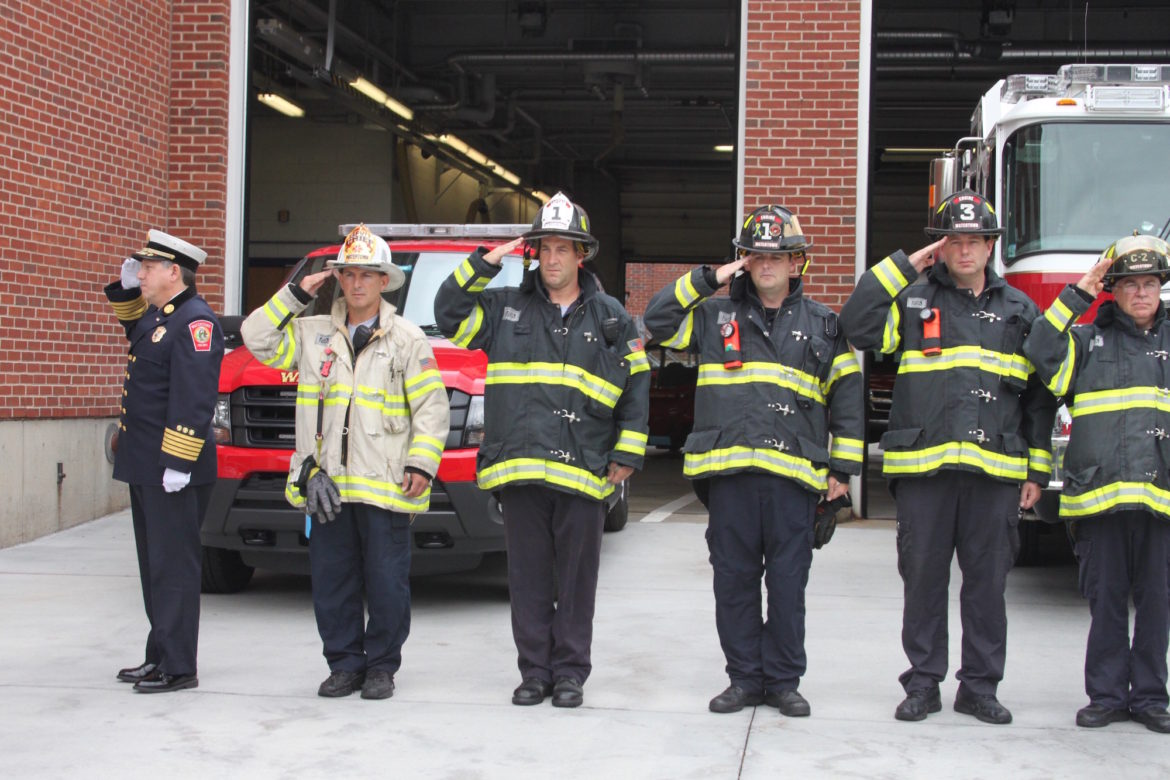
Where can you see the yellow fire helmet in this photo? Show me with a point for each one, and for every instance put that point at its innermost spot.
(362, 249)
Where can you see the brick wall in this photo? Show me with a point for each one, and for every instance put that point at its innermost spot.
(801, 129)
(104, 105)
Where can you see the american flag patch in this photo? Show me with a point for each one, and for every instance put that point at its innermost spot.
(426, 364)
(634, 344)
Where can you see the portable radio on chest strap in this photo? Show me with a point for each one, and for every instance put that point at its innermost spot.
(931, 338)
(732, 355)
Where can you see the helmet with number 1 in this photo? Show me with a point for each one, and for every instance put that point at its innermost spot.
(1137, 256)
(773, 230)
(563, 218)
(964, 212)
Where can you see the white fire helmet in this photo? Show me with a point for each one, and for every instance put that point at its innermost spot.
(362, 249)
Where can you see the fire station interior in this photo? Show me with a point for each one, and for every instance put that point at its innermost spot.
(460, 111)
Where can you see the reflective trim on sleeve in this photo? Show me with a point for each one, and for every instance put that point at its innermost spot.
(427, 448)
(632, 442)
(469, 327)
(892, 331)
(422, 383)
(1059, 315)
(1039, 461)
(1062, 379)
(638, 362)
(685, 292)
(890, 276)
(682, 337)
(843, 365)
(847, 449)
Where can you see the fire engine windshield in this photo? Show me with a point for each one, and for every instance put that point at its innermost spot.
(427, 270)
(1077, 187)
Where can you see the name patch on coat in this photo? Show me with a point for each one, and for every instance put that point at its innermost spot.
(511, 315)
(200, 335)
(323, 339)
(725, 317)
(915, 303)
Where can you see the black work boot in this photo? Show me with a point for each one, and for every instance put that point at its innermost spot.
(984, 707)
(341, 683)
(567, 693)
(918, 704)
(734, 699)
(790, 703)
(532, 691)
(1096, 716)
(379, 684)
(1154, 718)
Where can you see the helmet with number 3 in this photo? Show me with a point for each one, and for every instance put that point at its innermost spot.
(561, 217)
(1137, 255)
(964, 212)
(773, 230)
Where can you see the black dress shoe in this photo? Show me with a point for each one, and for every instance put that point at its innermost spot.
(567, 693)
(918, 704)
(379, 684)
(1154, 718)
(1095, 716)
(341, 683)
(532, 691)
(734, 699)
(984, 707)
(136, 673)
(791, 704)
(161, 682)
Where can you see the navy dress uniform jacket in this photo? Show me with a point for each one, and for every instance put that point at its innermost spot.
(170, 389)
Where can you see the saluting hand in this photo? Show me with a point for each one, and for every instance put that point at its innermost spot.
(311, 283)
(927, 255)
(724, 272)
(496, 256)
(1093, 282)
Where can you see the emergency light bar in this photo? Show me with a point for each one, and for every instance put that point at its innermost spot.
(440, 231)
(1103, 87)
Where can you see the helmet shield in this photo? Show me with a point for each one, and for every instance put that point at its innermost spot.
(774, 230)
(964, 212)
(561, 217)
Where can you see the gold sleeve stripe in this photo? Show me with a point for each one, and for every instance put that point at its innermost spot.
(181, 445)
(130, 310)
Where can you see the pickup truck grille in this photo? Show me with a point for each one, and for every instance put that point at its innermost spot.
(265, 416)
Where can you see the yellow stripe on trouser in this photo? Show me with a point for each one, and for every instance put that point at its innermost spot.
(994, 464)
(550, 471)
(699, 464)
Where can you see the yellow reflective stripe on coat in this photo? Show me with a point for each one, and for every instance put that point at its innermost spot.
(1000, 364)
(638, 362)
(843, 365)
(682, 337)
(891, 333)
(1114, 495)
(685, 292)
(426, 447)
(563, 374)
(890, 276)
(1059, 315)
(1062, 379)
(698, 464)
(1039, 460)
(843, 448)
(1101, 401)
(422, 383)
(767, 373)
(955, 453)
(469, 327)
(631, 442)
(465, 273)
(276, 312)
(551, 471)
(367, 491)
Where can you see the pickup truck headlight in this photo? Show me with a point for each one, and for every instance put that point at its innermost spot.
(473, 429)
(221, 421)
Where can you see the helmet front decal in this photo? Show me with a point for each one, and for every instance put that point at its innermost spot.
(557, 214)
(359, 247)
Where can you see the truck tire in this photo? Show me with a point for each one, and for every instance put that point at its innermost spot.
(619, 513)
(224, 571)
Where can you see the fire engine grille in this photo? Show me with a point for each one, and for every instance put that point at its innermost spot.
(265, 416)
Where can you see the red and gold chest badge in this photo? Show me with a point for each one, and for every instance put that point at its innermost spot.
(200, 335)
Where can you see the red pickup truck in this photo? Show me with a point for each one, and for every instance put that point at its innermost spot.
(249, 524)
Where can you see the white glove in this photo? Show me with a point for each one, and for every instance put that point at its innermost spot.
(174, 481)
(130, 268)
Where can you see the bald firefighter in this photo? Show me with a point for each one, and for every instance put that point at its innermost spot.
(776, 381)
(1113, 374)
(372, 419)
(566, 405)
(968, 447)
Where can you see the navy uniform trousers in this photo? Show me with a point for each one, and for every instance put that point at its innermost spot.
(761, 526)
(976, 517)
(554, 552)
(1120, 554)
(166, 534)
(364, 550)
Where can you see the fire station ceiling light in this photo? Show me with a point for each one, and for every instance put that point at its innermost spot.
(283, 105)
(379, 96)
(542, 197)
(725, 148)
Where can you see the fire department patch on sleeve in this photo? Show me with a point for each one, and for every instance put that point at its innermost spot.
(635, 345)
(200, 335)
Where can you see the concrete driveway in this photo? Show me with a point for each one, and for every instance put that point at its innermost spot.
(71, 613)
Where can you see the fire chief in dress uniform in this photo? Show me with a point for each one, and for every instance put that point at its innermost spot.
(166, 451)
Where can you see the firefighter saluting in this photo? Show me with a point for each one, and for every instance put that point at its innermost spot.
(1114, 374)
(166, 449)
(968, 445)
(566, 405)
(776, 378)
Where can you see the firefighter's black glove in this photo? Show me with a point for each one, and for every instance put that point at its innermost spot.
(825, 519)
(322, 498)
